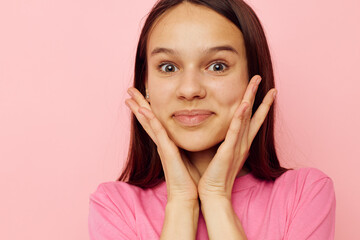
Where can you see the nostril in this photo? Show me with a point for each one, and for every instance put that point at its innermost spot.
(191, 94)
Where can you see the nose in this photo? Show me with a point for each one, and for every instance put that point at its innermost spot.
(191, 86)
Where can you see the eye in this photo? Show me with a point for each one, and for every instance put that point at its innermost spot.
(218, 67)
(167, 68)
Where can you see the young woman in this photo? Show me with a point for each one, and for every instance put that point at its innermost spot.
(202, 162)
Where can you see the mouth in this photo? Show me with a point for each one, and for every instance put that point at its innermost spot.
(192, 118)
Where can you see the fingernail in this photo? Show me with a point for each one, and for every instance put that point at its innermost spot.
(274, 94)
(130, 92)
(258, 80)
(127, 103)
(255, 88)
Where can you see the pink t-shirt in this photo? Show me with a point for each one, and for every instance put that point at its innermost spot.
(300, 204)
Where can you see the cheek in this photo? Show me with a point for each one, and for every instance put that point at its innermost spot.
(231, 95)
(160, 95)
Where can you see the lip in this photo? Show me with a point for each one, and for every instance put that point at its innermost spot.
(191, 118)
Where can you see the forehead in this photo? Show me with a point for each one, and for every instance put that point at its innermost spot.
(193, 27)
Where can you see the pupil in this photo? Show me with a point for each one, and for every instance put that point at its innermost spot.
(169, 68)
(218, 67)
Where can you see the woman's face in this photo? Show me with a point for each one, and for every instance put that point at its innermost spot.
(197, 74)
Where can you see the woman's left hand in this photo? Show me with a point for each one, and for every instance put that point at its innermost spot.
(218, 179)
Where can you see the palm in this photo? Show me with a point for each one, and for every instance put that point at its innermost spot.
(181, 176)
(219, 177)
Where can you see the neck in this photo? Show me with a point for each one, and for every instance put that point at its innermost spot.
(202, 159)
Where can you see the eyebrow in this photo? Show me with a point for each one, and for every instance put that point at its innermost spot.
(206, 51)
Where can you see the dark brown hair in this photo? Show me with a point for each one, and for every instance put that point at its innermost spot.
(143, 167)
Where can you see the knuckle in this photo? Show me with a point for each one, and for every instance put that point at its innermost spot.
(234, 130)
(157, 129)
(246, 103)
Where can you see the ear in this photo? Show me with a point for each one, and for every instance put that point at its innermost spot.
(146, 90)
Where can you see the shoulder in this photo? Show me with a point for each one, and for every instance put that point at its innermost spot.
(114, 187)
(114, 201)
(115, 190)
(115, 196)
(303, 183)
(309, 197)
(112, 211)
(303, 176)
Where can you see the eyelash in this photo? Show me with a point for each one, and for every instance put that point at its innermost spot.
(214, 63)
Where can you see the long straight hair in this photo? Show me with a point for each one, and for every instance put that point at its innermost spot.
(143, 167)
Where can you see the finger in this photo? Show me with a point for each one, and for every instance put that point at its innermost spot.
(236, 125)
(138, 97)
(169, 153)
(243, 139)
(134, 107)
(260, 114)
(251, 90)
(165, 145)
(240, 128)
(241, 144)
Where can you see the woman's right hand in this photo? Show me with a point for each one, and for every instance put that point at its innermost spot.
(181, 175)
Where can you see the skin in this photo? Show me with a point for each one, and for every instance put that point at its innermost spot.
(195, 84)
(200, 162)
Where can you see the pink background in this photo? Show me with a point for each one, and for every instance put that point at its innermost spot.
(64, 70)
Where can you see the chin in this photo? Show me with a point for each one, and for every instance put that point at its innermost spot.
(195, 145)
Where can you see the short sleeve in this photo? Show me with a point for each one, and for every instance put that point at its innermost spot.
(313, 215)
(106, 221)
